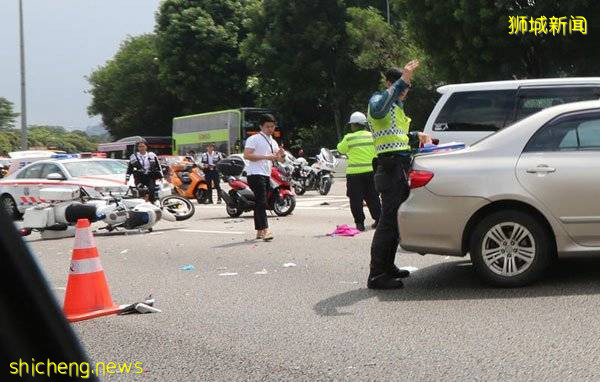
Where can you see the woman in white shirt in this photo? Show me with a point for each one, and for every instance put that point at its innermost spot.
(262, 150)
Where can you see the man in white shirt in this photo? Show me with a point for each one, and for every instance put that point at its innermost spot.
(262, 150)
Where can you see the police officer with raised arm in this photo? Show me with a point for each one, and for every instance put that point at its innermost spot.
(358, 146)
(390, 128)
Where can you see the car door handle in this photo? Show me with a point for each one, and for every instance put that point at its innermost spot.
(542, 168)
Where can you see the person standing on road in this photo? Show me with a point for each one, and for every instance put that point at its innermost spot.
(358, 146)
(146, 170)
(262, 150)
(390, 128)
(209, 161)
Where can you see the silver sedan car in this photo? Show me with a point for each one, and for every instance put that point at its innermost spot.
(513, 201)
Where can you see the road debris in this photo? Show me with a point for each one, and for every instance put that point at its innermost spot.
(263, 272)
(187, 267)
(228, 274)
(232, 221)
(287, 265)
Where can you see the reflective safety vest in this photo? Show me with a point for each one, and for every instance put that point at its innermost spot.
(360, 150)
(390, 133)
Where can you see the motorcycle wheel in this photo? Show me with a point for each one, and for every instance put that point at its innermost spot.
(182, 208)
(201, 195)
(299, 190)
(285, 206)
(324, 186)
(234, 212)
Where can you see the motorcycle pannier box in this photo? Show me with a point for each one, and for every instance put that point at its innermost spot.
(233, 166)
(59, 193)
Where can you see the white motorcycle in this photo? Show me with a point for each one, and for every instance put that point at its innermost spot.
(318, 176)
(56, 218)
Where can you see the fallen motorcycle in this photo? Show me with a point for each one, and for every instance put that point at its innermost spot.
(66, 205)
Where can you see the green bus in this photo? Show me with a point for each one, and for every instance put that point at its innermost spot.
(227, 129)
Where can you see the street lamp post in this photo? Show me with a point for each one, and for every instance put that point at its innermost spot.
(23, 98)
(387, 5)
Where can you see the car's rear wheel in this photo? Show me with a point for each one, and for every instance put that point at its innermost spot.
(510, 249)
(10, 206)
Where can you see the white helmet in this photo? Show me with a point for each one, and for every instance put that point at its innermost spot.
(358, 117)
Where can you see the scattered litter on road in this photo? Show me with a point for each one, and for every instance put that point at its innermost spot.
(124, 251)
(344, 230)
(231, 221)
(228, 274)
(348, 282)
(147, 306)
(287, 265)
(324, 204)
(187, 267)
(263, 272)
(410, 269)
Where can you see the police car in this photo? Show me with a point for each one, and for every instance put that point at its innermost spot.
(98, 177)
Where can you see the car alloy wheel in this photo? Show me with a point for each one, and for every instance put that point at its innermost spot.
(511, 248)
(508, 249)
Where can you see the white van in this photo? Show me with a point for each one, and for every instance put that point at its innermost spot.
(469, 112)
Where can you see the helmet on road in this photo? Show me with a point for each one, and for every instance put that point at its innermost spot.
(358, 117)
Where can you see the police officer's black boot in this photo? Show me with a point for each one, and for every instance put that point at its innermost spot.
(398, 273)
(360, 226)
(383, 281)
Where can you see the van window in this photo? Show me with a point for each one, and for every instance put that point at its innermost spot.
(531, 101)
(476, 111)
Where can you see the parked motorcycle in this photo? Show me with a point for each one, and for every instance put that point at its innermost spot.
(318, 176)
(240, 198)
(188, 181)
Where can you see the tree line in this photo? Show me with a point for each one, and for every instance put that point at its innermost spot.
(315, 62)
(52, 137)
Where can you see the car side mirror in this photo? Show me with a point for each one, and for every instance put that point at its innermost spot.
(55, 176)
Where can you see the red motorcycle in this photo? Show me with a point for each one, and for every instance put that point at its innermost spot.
(240, 198)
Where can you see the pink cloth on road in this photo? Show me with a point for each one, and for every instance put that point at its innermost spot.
(344, 230)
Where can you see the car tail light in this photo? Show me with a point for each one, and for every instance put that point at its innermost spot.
(419, 178)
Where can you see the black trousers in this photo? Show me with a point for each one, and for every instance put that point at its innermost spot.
(392, 183)
(259, 184)
(211, 176)
(361, 187)
(148, 181)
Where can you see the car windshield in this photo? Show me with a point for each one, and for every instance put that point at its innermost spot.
(100, 167)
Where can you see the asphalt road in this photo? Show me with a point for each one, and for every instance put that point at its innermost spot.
(297, 308)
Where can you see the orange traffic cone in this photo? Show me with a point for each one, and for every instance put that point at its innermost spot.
(87, 293)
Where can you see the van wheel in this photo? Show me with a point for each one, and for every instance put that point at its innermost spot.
(510, 249)
(10, 206)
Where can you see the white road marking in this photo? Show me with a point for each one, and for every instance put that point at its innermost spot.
(263, 272)
(287, 265)
(215, 232)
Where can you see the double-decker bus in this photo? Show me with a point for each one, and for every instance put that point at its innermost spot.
(124, 147)
(227, 129)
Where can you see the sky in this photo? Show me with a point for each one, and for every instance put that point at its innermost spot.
(65, 40)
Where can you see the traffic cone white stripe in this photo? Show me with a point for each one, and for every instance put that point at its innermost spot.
(84, 239)
(82, 267)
